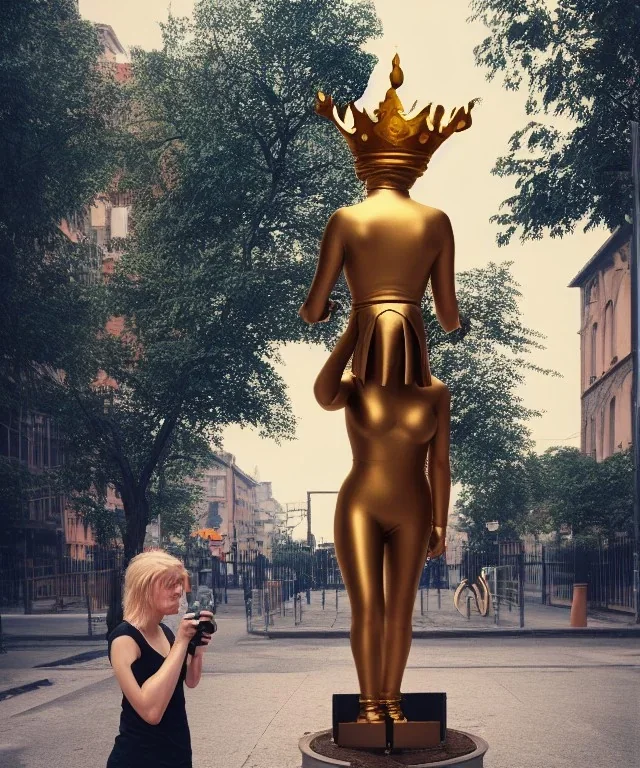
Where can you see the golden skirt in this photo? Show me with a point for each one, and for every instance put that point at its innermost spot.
(365, 315)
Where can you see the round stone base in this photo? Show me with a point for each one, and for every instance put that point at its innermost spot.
(460, 750)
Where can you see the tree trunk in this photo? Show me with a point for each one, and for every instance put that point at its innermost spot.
(137, 517)
(136, 511)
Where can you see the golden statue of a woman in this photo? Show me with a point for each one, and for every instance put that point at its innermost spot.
(390, 514)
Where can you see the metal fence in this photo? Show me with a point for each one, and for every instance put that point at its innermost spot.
(550, 571)
(537, 572)
(57, 584)
(607, 568)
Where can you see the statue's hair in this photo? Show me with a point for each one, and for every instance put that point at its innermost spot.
(142, 575)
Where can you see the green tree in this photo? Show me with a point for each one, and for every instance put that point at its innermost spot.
(484, 372)
(559, 488)
(580, 61)
(592, 498)
(234, 178)
(490, 436)
(56, 152)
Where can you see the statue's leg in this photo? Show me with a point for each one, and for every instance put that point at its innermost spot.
(359, 548)
(404, 559)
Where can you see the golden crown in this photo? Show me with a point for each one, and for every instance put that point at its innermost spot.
(392, 135)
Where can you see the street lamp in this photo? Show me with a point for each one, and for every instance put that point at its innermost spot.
(493, 526)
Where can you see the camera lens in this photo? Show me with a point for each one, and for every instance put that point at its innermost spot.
(206, 625)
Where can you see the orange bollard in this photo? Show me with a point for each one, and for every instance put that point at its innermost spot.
(578, 616)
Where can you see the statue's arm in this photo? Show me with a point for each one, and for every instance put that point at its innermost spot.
(331, 388)
(443, 279)
(316, 307)
(439, 473)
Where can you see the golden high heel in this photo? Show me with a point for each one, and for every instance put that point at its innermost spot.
(394, 709)
(370, 711)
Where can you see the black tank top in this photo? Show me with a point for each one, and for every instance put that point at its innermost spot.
(139, 744)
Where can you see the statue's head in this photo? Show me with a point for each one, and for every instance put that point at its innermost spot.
(393, 150)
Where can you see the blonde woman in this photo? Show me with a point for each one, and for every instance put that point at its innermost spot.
(151, 664)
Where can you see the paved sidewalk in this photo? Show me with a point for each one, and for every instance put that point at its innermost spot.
(430, 618)
(436, 616)
(564, 703)
(68, 627)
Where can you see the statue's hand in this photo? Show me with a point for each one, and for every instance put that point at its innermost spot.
(330, 307)
(462, 331)
(437, 542)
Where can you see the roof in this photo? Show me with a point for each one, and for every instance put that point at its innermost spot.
(620, 236)
(220, 457)
(109, 38)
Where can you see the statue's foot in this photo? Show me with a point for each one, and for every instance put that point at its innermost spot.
(370, 711)
(392, 704)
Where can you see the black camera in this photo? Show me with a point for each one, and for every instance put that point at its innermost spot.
(205, 624)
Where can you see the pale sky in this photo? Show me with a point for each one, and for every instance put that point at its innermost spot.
(436, 48)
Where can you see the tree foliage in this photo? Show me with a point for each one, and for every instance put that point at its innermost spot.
(580, 62)
(485, 371)
(56, 144)
(559, 489)
(56, 152)
(588, 496)
(234, 177)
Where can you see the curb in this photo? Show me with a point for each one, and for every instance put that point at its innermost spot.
(12, 639)
(338, 634)
(423, 634)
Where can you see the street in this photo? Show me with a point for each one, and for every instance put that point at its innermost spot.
(565, 703)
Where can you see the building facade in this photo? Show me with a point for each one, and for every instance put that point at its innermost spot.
(36, 520)
(605, 348)
(268, 519)
(240, 508)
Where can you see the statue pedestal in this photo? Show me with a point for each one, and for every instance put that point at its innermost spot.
(426, 714)
(460, 750)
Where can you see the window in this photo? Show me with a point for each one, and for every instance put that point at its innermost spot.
(609, 335)
(594, 353)
(592, 437)
(98, 214)
(217, 487)
(612, 426)
(119, 221)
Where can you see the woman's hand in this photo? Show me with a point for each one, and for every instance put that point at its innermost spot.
(200, 649)
(206, 638)
(187, 628)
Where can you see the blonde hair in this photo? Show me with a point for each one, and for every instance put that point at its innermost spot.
(142, 574)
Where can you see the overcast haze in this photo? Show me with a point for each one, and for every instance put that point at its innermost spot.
(435, 44)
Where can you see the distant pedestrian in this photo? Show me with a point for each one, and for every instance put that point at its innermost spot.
(151, 665)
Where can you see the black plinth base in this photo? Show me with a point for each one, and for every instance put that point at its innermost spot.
(426, 724)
